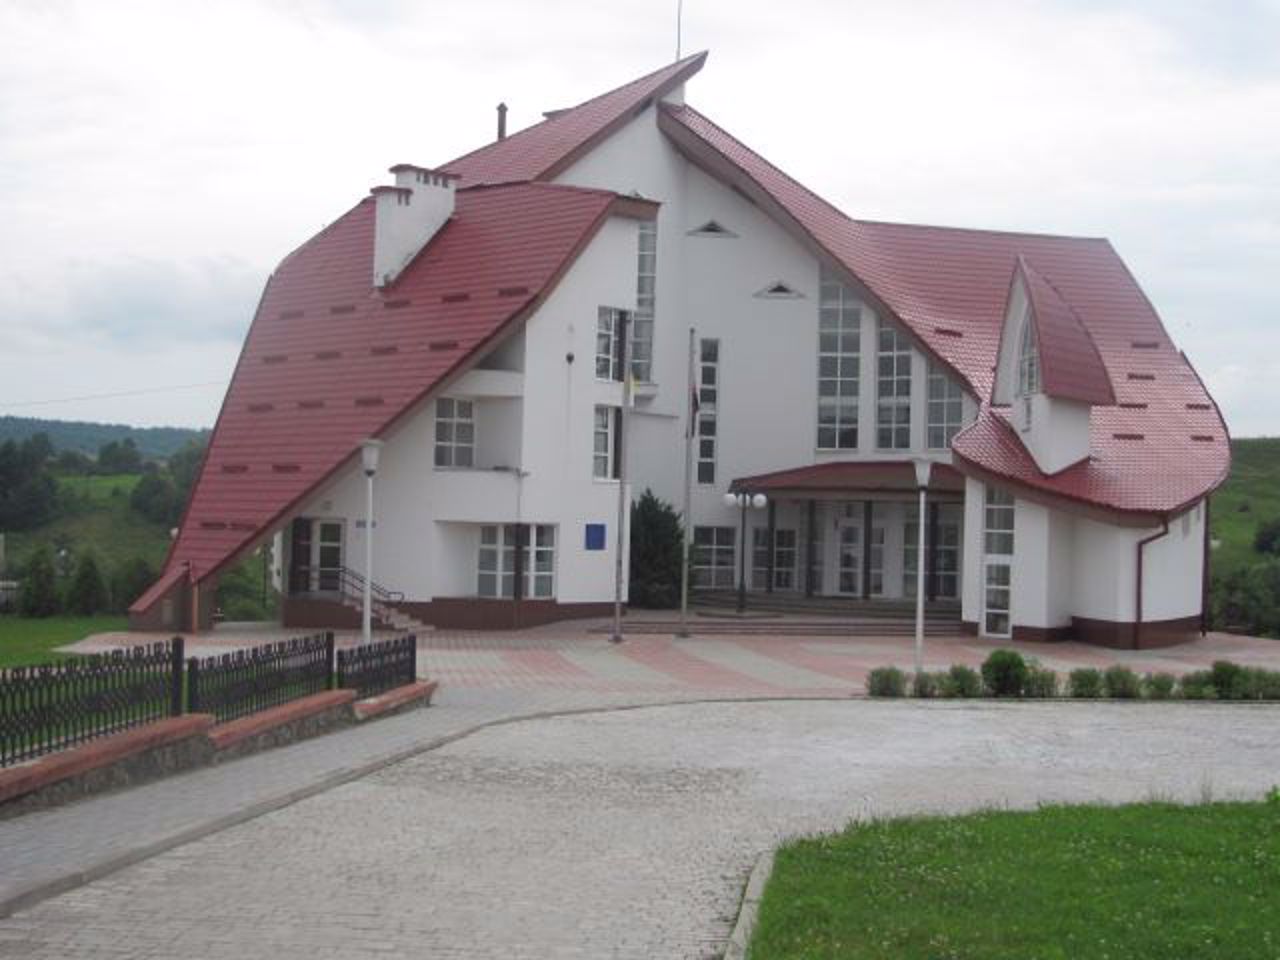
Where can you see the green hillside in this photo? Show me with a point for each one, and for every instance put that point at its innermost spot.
(1249, 498)
(88, 438)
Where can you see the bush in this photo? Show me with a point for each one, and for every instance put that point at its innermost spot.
(1267, 539)
(924, 684)
(1228, 680)
(1262, 684)
(1004, 673)
(129, 581)
(1085, 683)
(1121, 683)
(1159, 686)
(87, 592)
(1041, 682)
(960, 681)
(38, 596)
(656, 542)
(1197, 685)
(886, 682)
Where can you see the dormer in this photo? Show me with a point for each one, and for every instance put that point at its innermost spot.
(407, 216)
(1049, 371)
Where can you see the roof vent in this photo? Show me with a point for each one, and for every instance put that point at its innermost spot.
(502, 121)
(712, 228)
(343, 308)
(1141, 376)
(437, 346)
(1129, 436)
(1146, 345)
(1202, 438)
(407, 216)
(512, 291)
(948, 332)
(1132, 406)
(1199, 406)
(779, 290)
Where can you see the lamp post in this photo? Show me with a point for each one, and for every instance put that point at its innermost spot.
(923, 469)
(369, 451)
(742, 501)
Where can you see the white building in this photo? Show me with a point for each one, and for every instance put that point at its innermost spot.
(468, 317)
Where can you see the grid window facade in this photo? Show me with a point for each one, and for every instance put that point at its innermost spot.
(999, 523)
(785, 554)
(608, 348)
(945, 409)
(839, 360)
(455, 433)
(646, 288)
(708, 404)
(1028, 361)
(713, 555)
(893, 388)
(496, 575)
(604, 463)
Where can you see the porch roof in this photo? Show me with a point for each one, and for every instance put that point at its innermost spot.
(876, 476)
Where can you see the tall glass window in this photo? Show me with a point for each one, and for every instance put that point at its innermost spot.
(997, 577)
(646, 287)
(1028, 361)
(608, 355)
(708, 404)
(604, 464)
(455, 432)
(784, 558)
(946, 408)
(893, 388)
(839, 357)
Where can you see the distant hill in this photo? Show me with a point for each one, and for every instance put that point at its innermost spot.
(1249, 498)
(89, 437)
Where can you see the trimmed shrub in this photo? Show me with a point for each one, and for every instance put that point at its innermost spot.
(1041, 682)
(960, 681)
(886, 682)
(1121, 683)
(1228, 680)
(1004, 673)
(1197, 685)
(1262, 684)
(1085, 683)
(924, 684)
(1159, 686)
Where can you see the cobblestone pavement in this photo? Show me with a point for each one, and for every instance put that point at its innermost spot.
(623, 834)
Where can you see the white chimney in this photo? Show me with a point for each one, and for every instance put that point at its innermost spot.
(406, 216)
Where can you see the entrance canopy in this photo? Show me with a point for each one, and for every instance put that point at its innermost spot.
(846, 477)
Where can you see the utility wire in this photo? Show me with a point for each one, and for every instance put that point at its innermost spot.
(111, 396)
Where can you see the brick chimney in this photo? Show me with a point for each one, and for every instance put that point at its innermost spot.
(406, 216)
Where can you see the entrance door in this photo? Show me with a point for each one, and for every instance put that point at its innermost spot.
(328, 556)
(849, 558)
(315, 556)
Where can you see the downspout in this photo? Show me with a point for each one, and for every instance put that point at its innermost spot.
(1141, 548)
(1204, 575)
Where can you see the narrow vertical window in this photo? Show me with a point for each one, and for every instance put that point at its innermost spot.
(893, 389)
(604, 443)
(646, 289)
(1028, 360)
(946, 409)
(708, 404)
(455, 432)
(784, 558)
(608, 354)
(997, 577)
(839, 358)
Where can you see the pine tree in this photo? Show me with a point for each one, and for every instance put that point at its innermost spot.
(656, 541)
(87, 594)
(39, 594)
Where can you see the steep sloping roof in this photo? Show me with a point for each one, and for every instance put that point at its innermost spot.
(1070, 365)
(545, 149)
(329, 360)
(949, 286)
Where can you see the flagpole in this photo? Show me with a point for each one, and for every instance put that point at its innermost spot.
(687, 514)
(624, 365)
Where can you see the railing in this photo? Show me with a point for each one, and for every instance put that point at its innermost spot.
(53, 706)
(236, 684)
(375, 667)
(349, 584)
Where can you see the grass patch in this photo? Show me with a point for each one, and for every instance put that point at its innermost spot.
(1141, 881)
(1249, 498)
(26, 641)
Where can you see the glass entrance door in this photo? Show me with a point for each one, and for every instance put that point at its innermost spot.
(327, 544)
(849, 559)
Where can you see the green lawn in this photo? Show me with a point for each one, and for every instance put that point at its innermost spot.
(1249, 498)
(1144, 881)
(25, 641)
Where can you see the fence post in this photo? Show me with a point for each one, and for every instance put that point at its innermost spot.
(330, 655)
(176, 646)
(193, 684)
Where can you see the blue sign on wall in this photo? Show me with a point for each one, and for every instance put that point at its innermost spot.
(595, 536)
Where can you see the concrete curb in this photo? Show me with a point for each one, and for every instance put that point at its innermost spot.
(740, 939)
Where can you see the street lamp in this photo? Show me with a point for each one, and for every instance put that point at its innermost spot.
(743, 500)
(923, 469)
(369, 451)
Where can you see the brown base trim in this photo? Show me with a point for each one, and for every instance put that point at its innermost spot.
(1041, 634)
(1127, 635)
(475, 613)
(312, 613)
(970, 627)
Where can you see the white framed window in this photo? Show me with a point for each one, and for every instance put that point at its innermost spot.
(876, 567)
(785, 553)
(945, 409)
(496, 566)
(1028, 361)
(893, 388)
(646, 290)
(708, 405)
(946, 553)
(604, 462)
(713, 555)
(455, 432)
(608, 325)
(839, 362)
(997, 572)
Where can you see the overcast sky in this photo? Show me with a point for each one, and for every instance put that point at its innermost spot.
(158, 159)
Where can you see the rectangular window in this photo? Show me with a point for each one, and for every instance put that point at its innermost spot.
(496, 575)
(455, 432)
(893, 389)
(999, 523)
(946, 555)
(708, 404)
(608, 347)
(839, 359)
(946, 408)
(876, 568)
(785, 554)
(997, 577)
(605, 438)
(1028, 361)
(646, 288)
(713, 554)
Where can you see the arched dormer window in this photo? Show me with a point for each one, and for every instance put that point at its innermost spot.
(1028, 361)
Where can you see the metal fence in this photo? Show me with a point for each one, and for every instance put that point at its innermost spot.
(237, 684)
(53, 706)
(375, 667)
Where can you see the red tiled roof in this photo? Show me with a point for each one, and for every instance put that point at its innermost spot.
(949, 286)
(1070, 365)
(850, 476)
(329, 360)
(547, 148)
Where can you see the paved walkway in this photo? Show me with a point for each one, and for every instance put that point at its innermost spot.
(625, 834)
